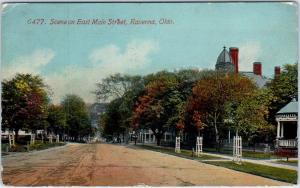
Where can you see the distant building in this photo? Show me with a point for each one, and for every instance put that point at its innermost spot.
(224, 62)
(96, 110)
(228, 61)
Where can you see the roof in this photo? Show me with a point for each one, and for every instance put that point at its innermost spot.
(224, 57)
(291, 107)
(224, 61)
(99, 107)
(260, 81)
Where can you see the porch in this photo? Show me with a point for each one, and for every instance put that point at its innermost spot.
(287, 126)
(289, 143)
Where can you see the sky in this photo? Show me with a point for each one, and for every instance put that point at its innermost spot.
(73, 58)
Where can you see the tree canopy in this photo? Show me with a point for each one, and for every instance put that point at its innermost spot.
(211, 97)
(77, 117)
(284, 88)
(24, 102)
(192, 101)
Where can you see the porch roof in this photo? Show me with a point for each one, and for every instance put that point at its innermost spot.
(290, 108)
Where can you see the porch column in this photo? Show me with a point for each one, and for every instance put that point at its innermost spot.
(278, 129)
(281, 130)
(165, 136)
(140, 137)
(229, 136)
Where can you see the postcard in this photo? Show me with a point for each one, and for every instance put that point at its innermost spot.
(149, 94)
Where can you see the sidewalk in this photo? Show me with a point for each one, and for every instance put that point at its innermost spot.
(267, 162)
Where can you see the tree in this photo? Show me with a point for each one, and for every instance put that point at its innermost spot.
(57, 119)
(124, 91)
(115, 86)
(110, 121)
(249, 115)
(199, 125)
(212, 94)
(24, 103)
(284, 88)
(77, 118)
(160, 106)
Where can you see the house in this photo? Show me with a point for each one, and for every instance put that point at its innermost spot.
(228, 61)
(287, 126)
(96, 110)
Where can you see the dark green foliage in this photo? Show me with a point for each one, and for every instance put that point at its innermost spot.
(77, 118)
(111, 120)
(284, 88)
(56, 119)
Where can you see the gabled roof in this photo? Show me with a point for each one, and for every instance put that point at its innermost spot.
(260, 81)
(290, 108)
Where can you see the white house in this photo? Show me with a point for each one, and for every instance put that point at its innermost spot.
(287, 127)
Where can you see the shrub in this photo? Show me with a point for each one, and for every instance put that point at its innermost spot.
(285, 152)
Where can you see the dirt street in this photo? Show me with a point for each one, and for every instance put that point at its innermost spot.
(104, 164)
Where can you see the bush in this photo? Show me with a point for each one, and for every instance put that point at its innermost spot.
(285, 152)
(23, 139)
(18, 148)
(39, 145)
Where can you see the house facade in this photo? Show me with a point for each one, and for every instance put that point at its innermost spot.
(287, 126)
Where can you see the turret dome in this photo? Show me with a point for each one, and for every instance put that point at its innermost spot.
(224, 61)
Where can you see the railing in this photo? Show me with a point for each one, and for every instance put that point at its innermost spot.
(288, 143)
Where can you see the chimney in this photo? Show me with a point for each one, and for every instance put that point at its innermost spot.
(257, 68)
(276, 71)
(234, 53)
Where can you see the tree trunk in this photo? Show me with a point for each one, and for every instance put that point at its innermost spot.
(217, 133)
(123, 136)
(158, 138)
(16, 134)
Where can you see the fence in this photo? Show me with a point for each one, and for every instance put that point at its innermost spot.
(199, 146)
(288, 143)
(237, 149)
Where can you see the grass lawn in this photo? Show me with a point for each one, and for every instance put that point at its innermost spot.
(38, 145)
(184, 153)
(280, 174)
(257, 155)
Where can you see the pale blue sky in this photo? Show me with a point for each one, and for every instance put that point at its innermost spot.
(71, 58)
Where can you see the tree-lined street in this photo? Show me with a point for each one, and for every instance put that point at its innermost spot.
(105, 164)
